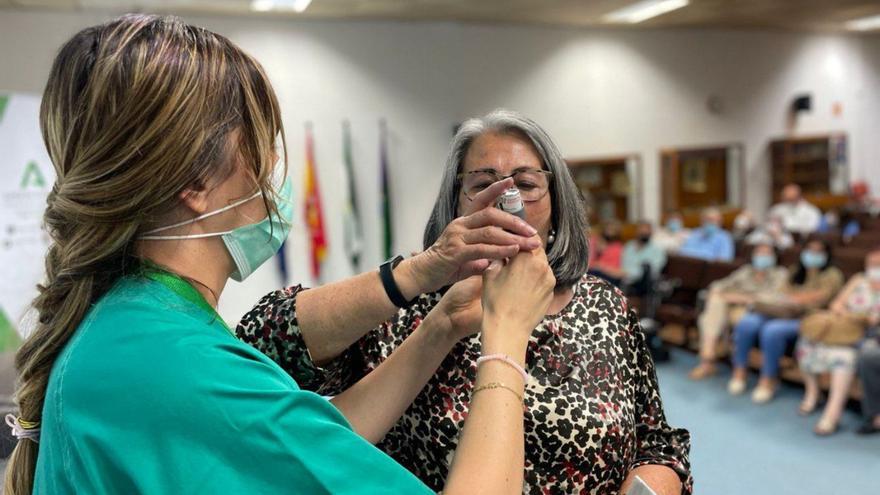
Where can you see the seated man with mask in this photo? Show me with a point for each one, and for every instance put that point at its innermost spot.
(642, 260)
(710, 242)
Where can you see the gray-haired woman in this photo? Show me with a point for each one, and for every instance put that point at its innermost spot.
(593, 420)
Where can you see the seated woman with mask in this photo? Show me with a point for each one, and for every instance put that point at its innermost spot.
(774, 320)
(728, 301)
(828, 343)
(594, 419)
(163, 139)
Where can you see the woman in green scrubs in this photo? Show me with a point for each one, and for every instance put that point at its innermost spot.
(163, 136)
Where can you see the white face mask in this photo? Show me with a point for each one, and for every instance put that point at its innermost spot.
(873, 273)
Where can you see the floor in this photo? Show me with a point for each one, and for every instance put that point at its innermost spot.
(741, 448)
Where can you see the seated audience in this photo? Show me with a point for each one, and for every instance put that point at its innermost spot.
(728, 299)
(772, 232)
(828, 342)
(642, 261)
(671, 237)
(798, 216)
(743, 225)
(606, 251)
(869, 374)
(774, 321)
(710, 242)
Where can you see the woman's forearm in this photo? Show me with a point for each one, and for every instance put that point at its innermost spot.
(375, 403)
(334, 316)
(663, 480)
(490, 456)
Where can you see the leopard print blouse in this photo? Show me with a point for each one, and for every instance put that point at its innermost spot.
(593, 409)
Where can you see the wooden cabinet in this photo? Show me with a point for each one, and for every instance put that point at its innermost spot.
(816, 163)
(695, 178)
(610, 187)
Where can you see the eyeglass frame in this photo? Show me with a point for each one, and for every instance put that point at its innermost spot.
(547, 173)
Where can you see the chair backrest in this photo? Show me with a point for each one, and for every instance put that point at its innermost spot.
(689, 270)
(717, 270)
(850, 260)
(867, 240)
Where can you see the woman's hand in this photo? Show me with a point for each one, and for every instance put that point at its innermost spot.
(470, 242)
(515, 299)
(462, 308)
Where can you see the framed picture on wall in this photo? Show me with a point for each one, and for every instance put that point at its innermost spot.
(693, 175)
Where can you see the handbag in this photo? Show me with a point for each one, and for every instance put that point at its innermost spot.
(776, 307)
(829, 328)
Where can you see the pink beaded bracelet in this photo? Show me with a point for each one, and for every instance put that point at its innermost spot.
(505, 358)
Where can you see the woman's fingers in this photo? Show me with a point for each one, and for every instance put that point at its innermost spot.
(488, 196)
(489, 252)
(490, 235)
(498, 218)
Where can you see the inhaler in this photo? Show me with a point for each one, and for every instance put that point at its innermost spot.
(511, 202)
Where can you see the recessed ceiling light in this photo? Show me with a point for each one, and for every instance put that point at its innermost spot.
(644, 10)
(864, 23)
(267, 5)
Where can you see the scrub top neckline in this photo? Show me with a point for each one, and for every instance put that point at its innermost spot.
(183, 289)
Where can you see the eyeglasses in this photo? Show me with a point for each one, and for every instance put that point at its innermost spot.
(532, 183)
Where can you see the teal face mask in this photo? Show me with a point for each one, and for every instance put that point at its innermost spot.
(249, 245)
(763, 261)
(811, 259)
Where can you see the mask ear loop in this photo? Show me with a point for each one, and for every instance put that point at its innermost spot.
(201, 217)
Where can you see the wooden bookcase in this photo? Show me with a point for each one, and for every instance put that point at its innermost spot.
(610, 186)
(816, 163)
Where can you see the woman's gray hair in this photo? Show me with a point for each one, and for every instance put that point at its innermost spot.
(569, 254)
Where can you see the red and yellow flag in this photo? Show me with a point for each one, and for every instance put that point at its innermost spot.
(313, 214)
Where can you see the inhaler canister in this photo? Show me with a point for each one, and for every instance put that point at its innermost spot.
(511, 202)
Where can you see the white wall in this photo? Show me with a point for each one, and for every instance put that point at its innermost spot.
(598, 92)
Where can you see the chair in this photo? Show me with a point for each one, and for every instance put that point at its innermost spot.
(679, 307)
(850, 260)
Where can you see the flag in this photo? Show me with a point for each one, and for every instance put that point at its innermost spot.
(387, 226)
(354, 243)
(313, 215)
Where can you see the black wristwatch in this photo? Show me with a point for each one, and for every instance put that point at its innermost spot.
(386, 273)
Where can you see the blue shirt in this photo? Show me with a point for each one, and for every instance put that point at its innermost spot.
(709, 245)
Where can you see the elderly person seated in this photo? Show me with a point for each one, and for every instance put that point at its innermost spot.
(828, 342)
(710, 242)
(606, 254)
(772, 232)
(869, 374)
(593, 415)
(729, 298)
(798, 216)
(671, 236)
(642, 261)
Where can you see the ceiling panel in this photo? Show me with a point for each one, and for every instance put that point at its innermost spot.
(822, 15)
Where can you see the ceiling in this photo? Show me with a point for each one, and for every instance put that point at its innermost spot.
(809, 15)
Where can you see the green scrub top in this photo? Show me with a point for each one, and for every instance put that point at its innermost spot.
(154, 395)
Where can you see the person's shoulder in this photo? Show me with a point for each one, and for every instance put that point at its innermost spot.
(834, 272)
(593, 288)
(778, 207)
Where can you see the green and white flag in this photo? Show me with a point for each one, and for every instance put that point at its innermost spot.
(29, 177)
(354, 236)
